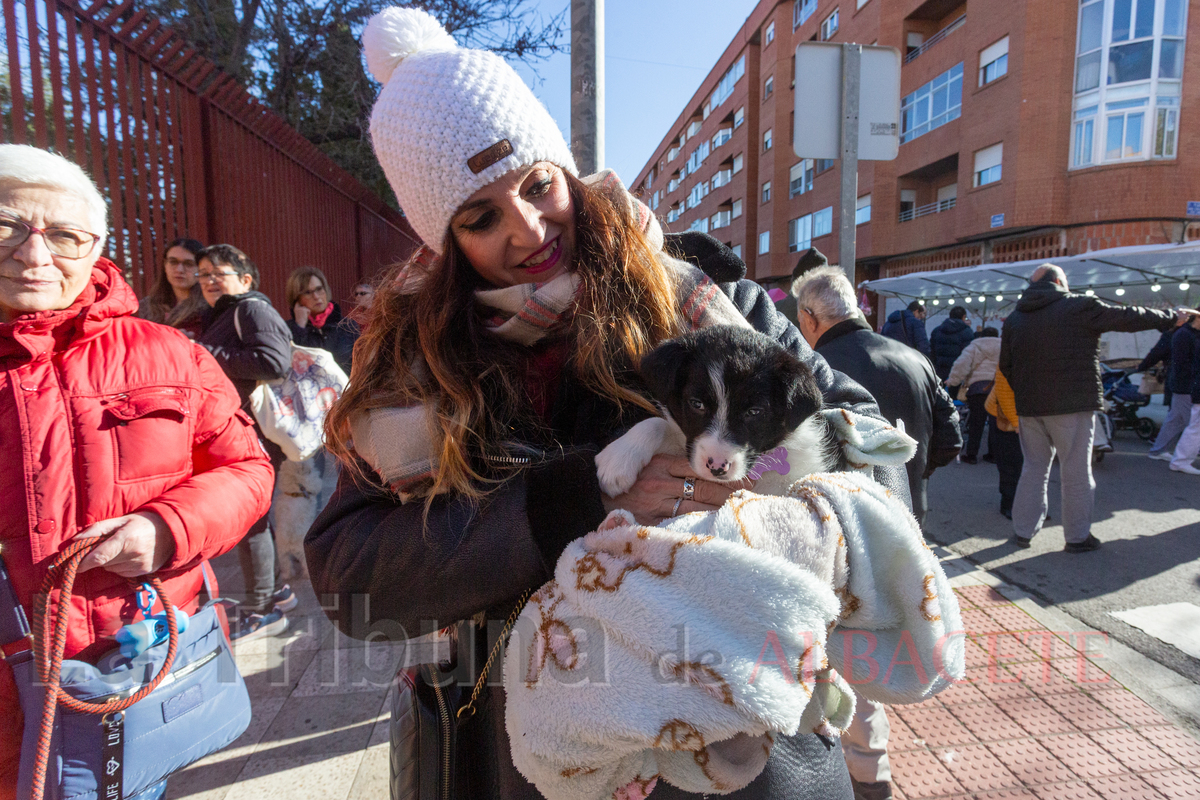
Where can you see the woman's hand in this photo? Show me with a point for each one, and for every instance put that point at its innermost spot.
(140, 543)
(660, 484)
(300, 314)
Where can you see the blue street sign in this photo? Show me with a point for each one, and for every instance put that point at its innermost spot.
(997, 220)
(1193, 208)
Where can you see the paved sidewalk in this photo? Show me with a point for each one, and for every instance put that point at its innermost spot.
(1040, 715)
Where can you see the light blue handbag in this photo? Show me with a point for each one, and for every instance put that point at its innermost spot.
(199, 706)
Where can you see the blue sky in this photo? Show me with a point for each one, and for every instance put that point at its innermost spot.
(657, 53)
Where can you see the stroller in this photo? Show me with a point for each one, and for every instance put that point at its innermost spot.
(1122, 401)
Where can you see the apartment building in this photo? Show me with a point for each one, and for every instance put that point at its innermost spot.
(1029, 129)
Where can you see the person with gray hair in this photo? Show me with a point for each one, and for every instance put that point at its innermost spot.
(1050, 355)
(909, 393)
(115, 429)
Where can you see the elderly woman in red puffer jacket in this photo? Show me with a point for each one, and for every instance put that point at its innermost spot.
(111, 425)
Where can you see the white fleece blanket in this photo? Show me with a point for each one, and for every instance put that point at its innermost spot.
(680, 651)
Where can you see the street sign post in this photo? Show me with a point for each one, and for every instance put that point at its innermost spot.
(847, 107)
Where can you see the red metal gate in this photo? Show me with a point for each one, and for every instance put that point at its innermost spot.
(179, 148)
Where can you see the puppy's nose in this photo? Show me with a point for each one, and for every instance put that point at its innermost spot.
(717, 470)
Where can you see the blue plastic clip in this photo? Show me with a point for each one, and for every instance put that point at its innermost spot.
(137, 637)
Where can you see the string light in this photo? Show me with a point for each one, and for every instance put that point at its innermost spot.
(1120, 289)
(999, 297)
(982, 299)
(950, 302)
(968, 299)
(1090, 293)
(937, 302)
(1183, 287)
(1155, 287)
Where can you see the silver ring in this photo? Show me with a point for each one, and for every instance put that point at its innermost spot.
(689, 489)
(675, 510)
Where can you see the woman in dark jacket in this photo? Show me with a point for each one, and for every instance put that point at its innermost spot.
(316, 320)
(175, 298)
(512, 351)
(248, 338)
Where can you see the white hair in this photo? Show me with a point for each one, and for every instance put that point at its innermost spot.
(826, 293)
(32, 166)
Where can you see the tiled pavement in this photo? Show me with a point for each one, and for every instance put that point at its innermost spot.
(1038, 717)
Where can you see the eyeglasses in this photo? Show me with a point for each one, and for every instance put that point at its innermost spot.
(63, 242)
(362, 292)
(313, 292)
(213, 276)
(175, 262)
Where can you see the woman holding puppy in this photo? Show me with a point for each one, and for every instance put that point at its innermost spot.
(494, 368)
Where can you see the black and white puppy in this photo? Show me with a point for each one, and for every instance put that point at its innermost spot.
(736, 403)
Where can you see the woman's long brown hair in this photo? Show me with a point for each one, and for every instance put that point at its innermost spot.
(427, 344)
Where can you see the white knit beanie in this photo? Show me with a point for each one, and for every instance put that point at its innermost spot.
(449, 120)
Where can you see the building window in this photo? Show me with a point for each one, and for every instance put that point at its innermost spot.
(722, 136)
(800, 233)
(862, 210)
(654, 198)
(766, 192)
(764, 242)
(822, 222)
(728, 81)
(697, 157)
(947, 197)
(737, 250)
(829, 26)
(722, 177)
(737, 163)
(739, 117)
(768, 87)
(1128, 71)
(771, 33)
(698, 193)
(721, 219)
(932, 105)
(800, 178)
(987, 164)
(650, 178)
(801, 11)
(699, 225)
(993, 62)
(673, 184)
(693, 128)
(862, 3)
(737, 209)
(908, 203)
(823, 165)
(672, 153)
(767, 140)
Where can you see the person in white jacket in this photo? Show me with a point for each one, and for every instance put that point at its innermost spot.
(974, 371)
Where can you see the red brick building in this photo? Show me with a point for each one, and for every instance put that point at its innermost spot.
(1030, 129)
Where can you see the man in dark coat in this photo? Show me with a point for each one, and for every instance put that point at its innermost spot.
(1050, 355)
(908, 326)
(948, 340)
(906, 388)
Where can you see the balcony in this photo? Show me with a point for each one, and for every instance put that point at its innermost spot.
(937, 37)
(932, 208)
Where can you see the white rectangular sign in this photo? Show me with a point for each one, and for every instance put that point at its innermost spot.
(819, 102)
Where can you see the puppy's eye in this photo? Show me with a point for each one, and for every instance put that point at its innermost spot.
(752, 412)
(696, 404)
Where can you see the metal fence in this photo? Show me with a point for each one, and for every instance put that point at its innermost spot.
(179, 148)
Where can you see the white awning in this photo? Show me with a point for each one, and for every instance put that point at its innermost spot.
(1123, 275)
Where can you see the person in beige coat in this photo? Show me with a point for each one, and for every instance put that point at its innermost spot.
(973, 372)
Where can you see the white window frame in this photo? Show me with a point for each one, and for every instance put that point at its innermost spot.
(822, 224)
(737, 250)
(764, 243)
(800, 177)
(988, 165)
(829, 25)
(739, 117)
(1104, 110)
(738, 162)
(768, 86)
(737, 209)
(801, 11)
(862, 210)
(800, 233)
(765, 194)
(861, 3)
(919, 111)
(768, 139)
(770, 36)
(993, 61)
(727, 83)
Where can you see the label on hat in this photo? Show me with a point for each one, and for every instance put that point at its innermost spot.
(485, 158)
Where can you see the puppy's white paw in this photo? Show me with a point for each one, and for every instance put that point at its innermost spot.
(619, 464)
(618, 518)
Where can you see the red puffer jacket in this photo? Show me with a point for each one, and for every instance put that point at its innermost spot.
(103, 414)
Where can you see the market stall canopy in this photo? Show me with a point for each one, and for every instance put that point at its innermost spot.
(1146, 275)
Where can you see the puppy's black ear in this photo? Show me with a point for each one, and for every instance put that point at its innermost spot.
(662, 367)
(798, 387)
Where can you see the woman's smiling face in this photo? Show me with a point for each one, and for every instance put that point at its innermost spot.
(520, 228)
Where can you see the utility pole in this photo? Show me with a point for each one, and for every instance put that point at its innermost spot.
(851, 80)
(587, 85)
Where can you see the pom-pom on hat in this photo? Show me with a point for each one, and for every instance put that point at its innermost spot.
(450, 120)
